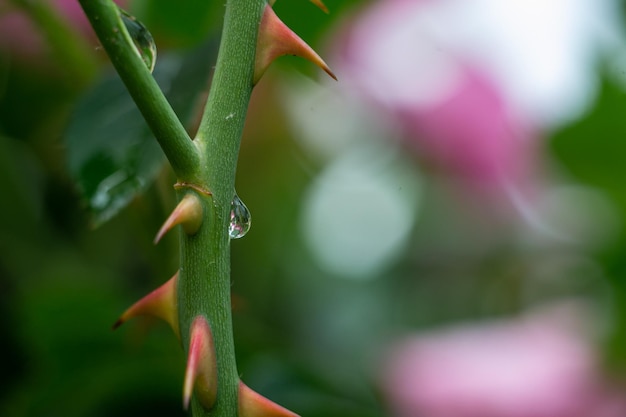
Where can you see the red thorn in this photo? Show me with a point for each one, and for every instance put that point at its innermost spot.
(276, 39)
(253, 404)
(160, 303)
(321, 5)
(201, 369)
(187, 213)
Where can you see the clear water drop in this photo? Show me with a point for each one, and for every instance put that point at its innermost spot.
(240, 219)
(142, 39)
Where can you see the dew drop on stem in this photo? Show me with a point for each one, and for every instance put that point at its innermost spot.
(240, 219)
(142, 39)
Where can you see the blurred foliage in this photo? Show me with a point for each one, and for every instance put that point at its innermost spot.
(305, 338)
(122, 158)
(176, 26)
(592, 149)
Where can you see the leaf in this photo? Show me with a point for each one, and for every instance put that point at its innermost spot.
(111, 152)
(592, 149)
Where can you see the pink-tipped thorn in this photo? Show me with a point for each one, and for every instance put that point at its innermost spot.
(276, 39)
(201, 369)
(253, 404)
(160, 303)
(187, 213)
(321, 5)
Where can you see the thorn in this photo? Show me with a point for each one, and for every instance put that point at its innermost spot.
(160, 303)
(321, 5)
(201, 365)
(253, 404)
(187, 213)
(276, 39)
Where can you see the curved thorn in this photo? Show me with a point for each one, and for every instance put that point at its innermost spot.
(160, 303)
(253, 404)
(201, 370)
(321, 5)
(187, 213)
(276, 39)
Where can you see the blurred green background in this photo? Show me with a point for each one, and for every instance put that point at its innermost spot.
(308, 335)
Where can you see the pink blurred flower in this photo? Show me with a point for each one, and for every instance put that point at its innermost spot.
(537, 366)
(452, 112)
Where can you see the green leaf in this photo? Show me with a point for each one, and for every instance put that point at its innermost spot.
(593, 148)
(111, 153)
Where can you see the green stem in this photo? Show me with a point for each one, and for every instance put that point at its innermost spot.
(167, 128)
(205, 167)
(204, 280)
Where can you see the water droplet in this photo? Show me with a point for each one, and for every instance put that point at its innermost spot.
(240, 219)
(142, 39)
